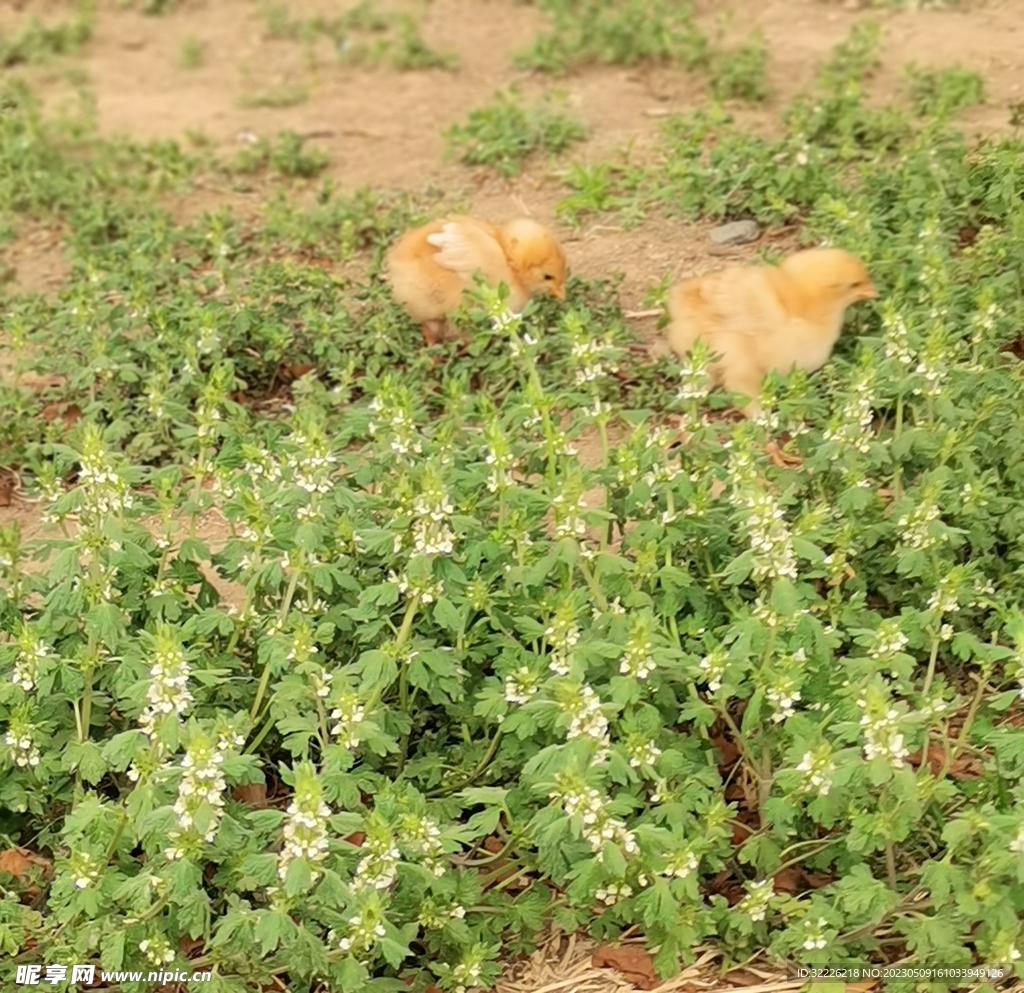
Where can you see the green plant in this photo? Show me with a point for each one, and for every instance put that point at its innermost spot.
(283, 96)
(363, 35)
(943, 92)
(618, 32)
(503, 133)
(742, 74)
(39, 42)
(286, 156)
(193, 51)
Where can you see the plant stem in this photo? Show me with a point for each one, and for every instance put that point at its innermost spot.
(588, 577)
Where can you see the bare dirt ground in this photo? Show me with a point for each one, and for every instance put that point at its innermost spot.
(384, 129)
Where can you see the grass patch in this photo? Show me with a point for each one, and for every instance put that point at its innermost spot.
(283, 96)
(742, 74)
(504, 133)
(193, 54)
(942, 93)
(616, 32)
(38, 42)
(366, 34)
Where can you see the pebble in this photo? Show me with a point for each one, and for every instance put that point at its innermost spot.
(736, 233)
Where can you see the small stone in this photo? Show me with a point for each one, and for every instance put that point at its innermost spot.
(736, 233)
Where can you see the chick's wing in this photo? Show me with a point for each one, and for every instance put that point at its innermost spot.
(466, 245)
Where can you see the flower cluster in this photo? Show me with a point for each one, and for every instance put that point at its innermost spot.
(770, 538)
(431, 530)
(815, 934)
(917, 533)
(21, 737)
(157, 950)
(694, 375)
(168, 693)
(364, 930)
(200, 803)
(598, 826)
(305, 829)
(637, 660)
(104, 492)
(377, 869)
(313, 465)
(759, 895)
(643, 754)
(594, 358)
(521, 685)
(783, 691)
(681, 863)
(888, 640)
(881, 723)
(31, 652)
(568, 510)
(818, 767)
(851, 427)
(420, 838)
(612, 893)
(425, 587)
(348, 714)
(897, 338)
(586, 720)
(562, 635)
(393, 421)
(500, 458)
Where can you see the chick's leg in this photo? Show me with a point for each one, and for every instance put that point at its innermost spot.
(745, 380)
(433, 331)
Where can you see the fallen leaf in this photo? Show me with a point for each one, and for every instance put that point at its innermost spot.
(252, 794)
(6, 489)
(816, 880)
(936, 758)
(288, 372)
(189, 945)
(20, 863)
(68, 413)
(729, 750)
(632, 961)
(789, 880)
(740, 832)
(356, 838)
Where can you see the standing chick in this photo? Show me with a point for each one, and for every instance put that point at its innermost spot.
(430, 267)
(761, 318)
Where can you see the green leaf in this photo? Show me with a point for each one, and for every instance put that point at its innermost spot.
(447, 616)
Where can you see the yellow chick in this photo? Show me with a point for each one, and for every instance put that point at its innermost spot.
(430, 267)
(761, 318)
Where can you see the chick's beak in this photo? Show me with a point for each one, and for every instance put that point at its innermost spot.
(870, 292)
(558, 292)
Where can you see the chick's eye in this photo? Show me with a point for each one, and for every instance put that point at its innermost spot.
(548, 277)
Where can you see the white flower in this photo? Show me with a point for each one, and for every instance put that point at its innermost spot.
(305, 829)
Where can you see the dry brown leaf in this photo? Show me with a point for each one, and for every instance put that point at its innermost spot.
(253, 794)
(789, 880)
(729, 751)
(963, 767)
(20, 863)
(6, 489)
(68, 413)
(632, 961)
